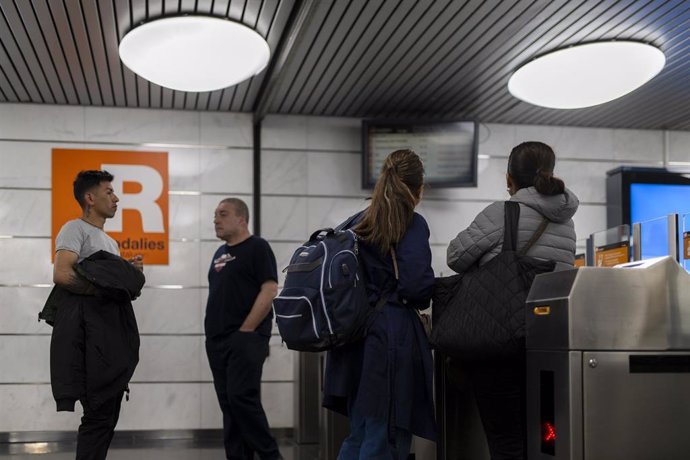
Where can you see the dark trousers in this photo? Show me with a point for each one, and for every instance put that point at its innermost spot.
(97, 428)
(236, 363)
(499, 389)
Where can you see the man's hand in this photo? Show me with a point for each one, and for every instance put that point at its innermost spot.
(138, 262)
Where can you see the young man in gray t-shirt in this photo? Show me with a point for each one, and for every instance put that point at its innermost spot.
(77, 240)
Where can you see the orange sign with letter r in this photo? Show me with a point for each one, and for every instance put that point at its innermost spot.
(140, 225)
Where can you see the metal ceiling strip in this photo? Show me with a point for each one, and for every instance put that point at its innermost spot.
(179, 99)
(675, 52)
(94, 36)
(80, 40)
(110, 39)
(524, 25)
(191, 101)
(205, 7)
(123, 24)
(187, 6)
(236, 10)
(17, 61)
(214, 100)
(409, 26)
(389, 19)
(489, 101)
(429, 54)
(498, 101)
(468, 25)
(167, 96)
(226, 100)
(220, 8)
(429, 25)
(154, 9)
(52, 39)
(266, 26)
(366, 14)
(6, 90)
(252, 13)
(295, 19)
(240, 94)
(677, 22)
(315, 43)
(202, 101)
(330, 43)
(375, 12)
(138, 13)
(23, 23)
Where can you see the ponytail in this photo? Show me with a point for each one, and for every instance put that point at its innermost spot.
(547, 184)
(395, 196)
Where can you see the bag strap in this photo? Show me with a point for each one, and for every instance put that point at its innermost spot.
(510, 229)
(395, 264)
(535, 236)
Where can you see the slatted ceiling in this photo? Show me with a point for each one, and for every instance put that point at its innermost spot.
(36, 54)
(395, 58)
(332, 27)
(342, 20)
(374, 13)
(505, 57)
(441, 89)
(400, 29)
(383, 30)
(300, 53)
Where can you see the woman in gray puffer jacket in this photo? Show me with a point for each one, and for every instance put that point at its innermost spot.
(499, 387)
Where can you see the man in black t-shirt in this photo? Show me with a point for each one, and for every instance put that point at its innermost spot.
(242, 284)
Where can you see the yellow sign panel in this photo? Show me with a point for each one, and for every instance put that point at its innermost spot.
(612, 254)
(686, 245)
(140, 226)
(579, 260)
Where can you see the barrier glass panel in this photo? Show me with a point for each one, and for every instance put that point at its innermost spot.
(654, 238)
(612, 246)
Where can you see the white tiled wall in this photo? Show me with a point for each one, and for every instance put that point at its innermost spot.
(209, 154)
(310, 179)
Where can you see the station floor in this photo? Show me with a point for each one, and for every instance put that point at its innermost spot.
(169, 449)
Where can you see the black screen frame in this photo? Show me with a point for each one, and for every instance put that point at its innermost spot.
(367, 184)
(618, 183)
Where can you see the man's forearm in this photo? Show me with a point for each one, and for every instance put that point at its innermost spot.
(77, 284)
(261, 307)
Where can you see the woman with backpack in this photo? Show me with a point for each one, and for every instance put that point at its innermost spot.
(499, 387)
(383, 383)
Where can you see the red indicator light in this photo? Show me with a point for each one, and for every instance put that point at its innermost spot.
(549, 432)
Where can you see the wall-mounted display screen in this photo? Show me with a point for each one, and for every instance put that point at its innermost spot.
(647, 196)
(448, 149)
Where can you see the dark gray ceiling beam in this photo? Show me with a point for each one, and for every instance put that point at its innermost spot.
(298, 21)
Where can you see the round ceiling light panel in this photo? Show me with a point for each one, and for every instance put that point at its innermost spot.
(194, 53)
(586, 75)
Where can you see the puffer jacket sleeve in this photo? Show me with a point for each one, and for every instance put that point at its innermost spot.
(483, 234)
(416, 277)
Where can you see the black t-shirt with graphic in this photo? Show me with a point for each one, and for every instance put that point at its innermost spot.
(235, 278)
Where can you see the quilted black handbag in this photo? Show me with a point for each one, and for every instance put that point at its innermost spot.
(480, 315)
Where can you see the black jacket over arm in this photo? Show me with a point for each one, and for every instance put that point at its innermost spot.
(95, 343)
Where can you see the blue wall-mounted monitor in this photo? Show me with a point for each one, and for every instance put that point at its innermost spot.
(449, 149)
(647, 196)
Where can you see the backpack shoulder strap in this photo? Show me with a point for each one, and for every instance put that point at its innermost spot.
(510, 229)
(510, 225)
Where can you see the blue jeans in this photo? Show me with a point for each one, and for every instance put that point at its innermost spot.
(368, 440)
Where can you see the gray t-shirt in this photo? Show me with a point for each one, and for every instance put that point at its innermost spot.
(84, 239)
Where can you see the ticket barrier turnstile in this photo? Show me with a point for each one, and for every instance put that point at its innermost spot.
(608, 363)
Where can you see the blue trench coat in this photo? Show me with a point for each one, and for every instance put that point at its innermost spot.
(389, 374)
